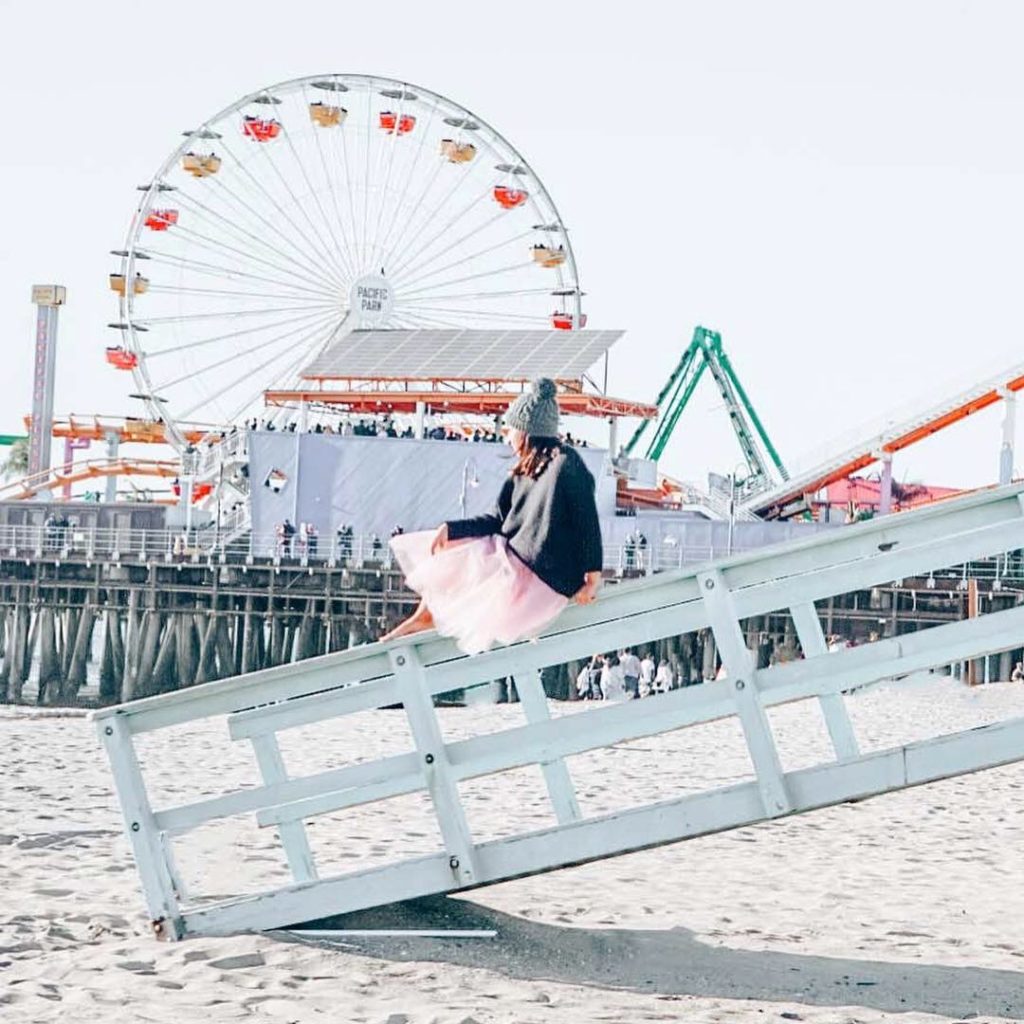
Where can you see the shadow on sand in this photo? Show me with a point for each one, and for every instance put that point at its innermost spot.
(671, 962)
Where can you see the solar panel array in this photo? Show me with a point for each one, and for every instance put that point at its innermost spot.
(462, 354)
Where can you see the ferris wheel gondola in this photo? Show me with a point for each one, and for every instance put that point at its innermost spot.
(316, 207)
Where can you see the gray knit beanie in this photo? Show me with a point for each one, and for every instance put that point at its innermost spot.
(535, 412)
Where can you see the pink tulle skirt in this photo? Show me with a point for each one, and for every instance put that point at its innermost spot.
(477, 590)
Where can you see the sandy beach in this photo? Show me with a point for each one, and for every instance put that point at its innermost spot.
(908, 904)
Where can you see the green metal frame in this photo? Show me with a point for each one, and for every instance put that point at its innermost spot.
(6, 440)
(705, 353)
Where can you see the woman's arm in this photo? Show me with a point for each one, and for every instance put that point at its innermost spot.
(483, 525)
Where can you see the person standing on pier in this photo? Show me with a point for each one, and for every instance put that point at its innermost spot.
(505, 575)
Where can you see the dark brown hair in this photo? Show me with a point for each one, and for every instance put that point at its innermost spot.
(537, 456)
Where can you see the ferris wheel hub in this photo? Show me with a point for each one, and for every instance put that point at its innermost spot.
(372, 301)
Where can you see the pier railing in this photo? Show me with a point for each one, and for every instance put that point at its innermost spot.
(209, 545)
(254, 710)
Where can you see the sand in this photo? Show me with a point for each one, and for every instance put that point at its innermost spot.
(909, 904)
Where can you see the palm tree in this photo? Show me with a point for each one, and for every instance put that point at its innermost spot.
(16, 463)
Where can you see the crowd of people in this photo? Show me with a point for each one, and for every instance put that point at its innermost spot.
(303, 541)
(623, 675)
(635, 551)
(385, 426)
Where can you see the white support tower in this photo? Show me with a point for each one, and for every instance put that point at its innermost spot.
(256, 708)
(48, 299)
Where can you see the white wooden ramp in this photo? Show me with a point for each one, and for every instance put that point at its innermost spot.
(259, 706)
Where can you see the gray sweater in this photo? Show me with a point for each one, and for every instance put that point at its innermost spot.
(550, 522)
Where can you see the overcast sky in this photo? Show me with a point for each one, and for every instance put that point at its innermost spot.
(836, 187)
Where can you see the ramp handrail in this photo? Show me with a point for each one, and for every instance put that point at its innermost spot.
(789, 577)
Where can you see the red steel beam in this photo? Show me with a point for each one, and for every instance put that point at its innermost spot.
(470, 403)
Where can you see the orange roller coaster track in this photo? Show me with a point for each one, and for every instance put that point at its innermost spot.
(57, 476)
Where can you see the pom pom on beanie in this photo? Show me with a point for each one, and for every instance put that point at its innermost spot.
(535, 412)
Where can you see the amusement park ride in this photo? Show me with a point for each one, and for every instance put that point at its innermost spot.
(353, 243)
(356, 245)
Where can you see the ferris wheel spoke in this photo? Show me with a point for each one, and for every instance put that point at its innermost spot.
(262, 222)
(209, 214)
(392, 247)
(331, 257)
(340, 253)
(426, 275)
(428, 295)
(410, 266)
(235, 356)
(485, 273)
(235, 382)
(168, 290)
(461, 182)
(351, 191)
(385, 155)
(409, 259)
(479, 313)
(211, 244)
(286, 375)
(231, 314)
(329, 178)
(399, 203)
(366, 174)
(152, 354)
(219, 270)
(326, 269)
(407, 244)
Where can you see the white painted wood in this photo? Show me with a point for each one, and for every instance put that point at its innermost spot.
(441, 783)
(627, 831)
(291, 714)
(144, 836)
(530, 688)
(833, 710)
(607, 724)
(292, 833)
(742, 681)
(972, 527)
(334, 800)
(790, 576)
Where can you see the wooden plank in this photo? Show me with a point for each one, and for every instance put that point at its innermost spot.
(624, 832)
(292, 833)
(833, 710)
(141, 829)
(556, 773)
(441, 783)
(605, 725)
(743, 684)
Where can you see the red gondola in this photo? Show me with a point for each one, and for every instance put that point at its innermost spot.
(161, 220)
(261, 129)
(509, 198)
(563, 321)
(121, 358)
(391, 122)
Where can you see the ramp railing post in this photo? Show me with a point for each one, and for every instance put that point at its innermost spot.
(833, 708)
(742, 679)
(556, 773)
(292, 833)
(441, 784)
(146, 842)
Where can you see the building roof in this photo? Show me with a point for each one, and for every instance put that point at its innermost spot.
(469, 403)
(461, 355)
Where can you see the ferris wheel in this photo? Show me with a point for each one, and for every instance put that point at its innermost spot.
(316, 207)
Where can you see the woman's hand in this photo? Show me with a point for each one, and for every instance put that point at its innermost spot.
(440, 541)
(587, 594)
